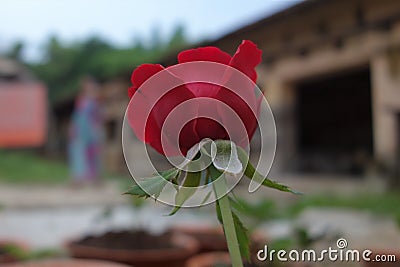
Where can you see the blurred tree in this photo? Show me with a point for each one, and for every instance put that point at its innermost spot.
(178, 38)
(156, 38)
(16, 51)
(63, 64)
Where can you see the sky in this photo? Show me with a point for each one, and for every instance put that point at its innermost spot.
(121, 21)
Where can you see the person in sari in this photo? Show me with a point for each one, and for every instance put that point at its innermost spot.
(86, 134)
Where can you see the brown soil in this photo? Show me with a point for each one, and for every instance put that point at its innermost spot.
(135, 240)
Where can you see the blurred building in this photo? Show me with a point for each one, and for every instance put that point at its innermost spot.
(115, 97)
(331, 73)
(23, 107)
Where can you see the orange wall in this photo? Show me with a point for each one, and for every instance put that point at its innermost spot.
(23, 114)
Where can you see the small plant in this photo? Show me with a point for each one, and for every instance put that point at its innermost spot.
(19, 254)
(203, 112)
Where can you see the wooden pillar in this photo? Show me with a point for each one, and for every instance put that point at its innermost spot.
(281, 97)
(386, 106)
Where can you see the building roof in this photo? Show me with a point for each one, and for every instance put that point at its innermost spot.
(254, 26)
(12, 70)
(307, 25)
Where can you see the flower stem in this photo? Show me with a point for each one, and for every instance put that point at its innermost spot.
(227, 221)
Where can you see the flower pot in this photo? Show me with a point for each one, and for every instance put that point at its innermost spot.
(66, 263)
(210, 238)
(210, 259)
(138, 248)
(213, 259)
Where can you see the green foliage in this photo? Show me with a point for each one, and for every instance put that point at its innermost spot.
(16, 51)
(376, 203)
(266, 209)
(137, 202)
(64, 64)
(24, 255)
(25, 167)
(262, 210)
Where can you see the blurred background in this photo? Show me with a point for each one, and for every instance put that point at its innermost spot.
(330, 72)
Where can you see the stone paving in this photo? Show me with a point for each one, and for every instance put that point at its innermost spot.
(110, 192)
(50, 216)
(34, 196)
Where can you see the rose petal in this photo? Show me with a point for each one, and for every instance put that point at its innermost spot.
(152, 100)
(141, 74)
(164, 107)
(208, 128)
(200, 89)
(152, 132)
(241, 108)
(242, 99)
(209, 53)
(246, 58)
(188, 137)
(131, 91)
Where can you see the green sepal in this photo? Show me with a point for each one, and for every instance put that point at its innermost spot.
(226, 157)
(189, 187)
(152, 186)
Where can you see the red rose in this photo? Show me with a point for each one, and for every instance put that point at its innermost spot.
(151, 103)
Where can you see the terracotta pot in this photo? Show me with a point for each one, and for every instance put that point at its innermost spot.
(386, 252)
(182, 248)
(209, 238)
(212, 259)
(209, 259)
(66, 263)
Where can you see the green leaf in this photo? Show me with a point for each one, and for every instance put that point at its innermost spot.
(243, 236)
(148, 187)
(206, 198)
(218, 211)
(189, 187)
(253, 174)
(169, 174)
(236, 204)
(226, 157)
(153, 186)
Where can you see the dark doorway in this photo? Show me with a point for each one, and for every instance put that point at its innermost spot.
(335, 123)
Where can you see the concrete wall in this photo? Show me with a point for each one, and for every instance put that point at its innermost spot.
(386, 101)
(378, 48)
